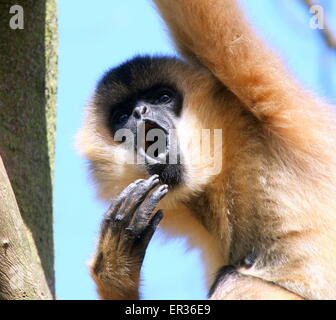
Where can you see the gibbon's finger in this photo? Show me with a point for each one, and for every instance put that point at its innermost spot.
(140, 237)
(148, 206)
(135, 198)
(116, 203)
(142, 215)
(114, 208)
(152, 226)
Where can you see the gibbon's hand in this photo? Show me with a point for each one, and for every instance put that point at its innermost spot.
(128, 227)
(130, 217)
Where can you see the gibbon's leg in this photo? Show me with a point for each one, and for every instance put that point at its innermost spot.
(233, 285)
(215, 34)
(125, 234)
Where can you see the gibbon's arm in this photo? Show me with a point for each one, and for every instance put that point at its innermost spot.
(215, 34)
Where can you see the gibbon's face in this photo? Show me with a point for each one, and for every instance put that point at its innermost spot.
(140, 118)
(144, 119)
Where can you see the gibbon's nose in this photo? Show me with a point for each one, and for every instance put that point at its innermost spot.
(139, 111)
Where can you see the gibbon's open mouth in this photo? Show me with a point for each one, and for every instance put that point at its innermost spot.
(155, 151)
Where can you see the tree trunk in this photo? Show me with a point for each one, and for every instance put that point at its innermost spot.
(21, 275)
(28, 62)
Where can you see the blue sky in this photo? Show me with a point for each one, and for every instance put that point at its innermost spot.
(97, 35)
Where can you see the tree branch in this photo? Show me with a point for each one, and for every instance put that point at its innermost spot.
(21, 276)
(326, 33)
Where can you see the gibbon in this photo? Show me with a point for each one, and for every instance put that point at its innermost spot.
(266, 221)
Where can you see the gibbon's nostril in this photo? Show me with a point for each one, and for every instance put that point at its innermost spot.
(144, 110)
(138, 111)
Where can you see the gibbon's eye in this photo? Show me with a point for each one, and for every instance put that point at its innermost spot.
(123, 118)
(164, 97)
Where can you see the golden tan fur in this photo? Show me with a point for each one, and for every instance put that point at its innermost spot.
(240, 287)
(275, 194)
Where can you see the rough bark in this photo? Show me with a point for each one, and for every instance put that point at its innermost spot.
(21, 275)
(27, 125)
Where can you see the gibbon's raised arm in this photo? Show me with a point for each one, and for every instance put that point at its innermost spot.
(216, 34)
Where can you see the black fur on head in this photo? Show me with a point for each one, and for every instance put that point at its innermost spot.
(135, 75)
